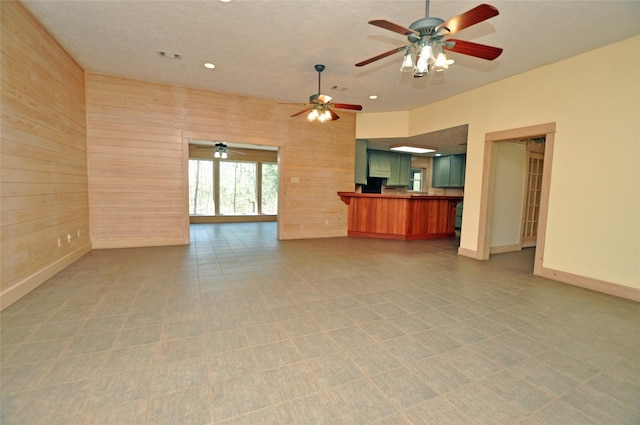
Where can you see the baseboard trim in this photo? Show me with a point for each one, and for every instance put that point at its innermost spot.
(30, 283)
(142, 243)
(469, 253)
(597, 285)
(504, 248)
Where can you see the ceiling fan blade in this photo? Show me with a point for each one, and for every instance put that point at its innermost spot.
(471, 17)
(334, 116)
(347, 106)
(481, 51)
(382, 23)
(300, 113)
(381, 56)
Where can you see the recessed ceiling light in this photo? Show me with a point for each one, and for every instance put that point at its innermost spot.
(225, 1)
(373, 97)
(209, 65)
(411, 148)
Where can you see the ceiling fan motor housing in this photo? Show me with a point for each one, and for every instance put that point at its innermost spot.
(424, 26)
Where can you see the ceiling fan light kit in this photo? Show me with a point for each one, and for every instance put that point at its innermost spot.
(221, 151)
(427, 44)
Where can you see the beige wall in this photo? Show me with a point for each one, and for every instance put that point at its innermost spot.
(44, 171)
(594, 206)
(137, 136)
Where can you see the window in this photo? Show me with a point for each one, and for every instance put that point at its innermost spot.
(269, 192)
(219, 187)
(201, 187)
(415, 184)
(238, 188)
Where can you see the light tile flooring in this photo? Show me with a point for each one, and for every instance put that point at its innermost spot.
(239, 328)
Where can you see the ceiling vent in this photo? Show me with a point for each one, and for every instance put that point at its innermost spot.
(170, 55)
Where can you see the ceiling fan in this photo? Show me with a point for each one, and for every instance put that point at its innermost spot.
(320, 105)
(427, 40)
(220, 150)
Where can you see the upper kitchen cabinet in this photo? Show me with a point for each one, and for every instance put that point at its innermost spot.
(379, 164)
(400, 169)
(448, 171)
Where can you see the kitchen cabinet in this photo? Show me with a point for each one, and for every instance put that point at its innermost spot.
(448, 171)
(459, 216)
(400, 169)
(401, 217)
(379, 165)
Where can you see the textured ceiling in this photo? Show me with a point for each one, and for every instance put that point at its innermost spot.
(267, 48)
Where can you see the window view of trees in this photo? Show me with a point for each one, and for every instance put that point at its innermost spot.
(238, 188)
(269, 189)
(201, 187)
(239, 184)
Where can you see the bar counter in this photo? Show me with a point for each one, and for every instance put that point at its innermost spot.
(400, 216)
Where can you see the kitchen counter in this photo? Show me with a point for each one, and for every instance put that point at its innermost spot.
(400, 216)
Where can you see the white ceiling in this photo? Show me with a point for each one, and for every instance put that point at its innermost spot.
(268, 48)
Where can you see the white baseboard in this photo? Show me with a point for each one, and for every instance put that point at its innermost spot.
(469, 253)
(597, 285)
(30, 283)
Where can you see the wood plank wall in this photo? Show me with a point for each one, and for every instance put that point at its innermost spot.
(137, 136)
(44, 192)
(105, 158)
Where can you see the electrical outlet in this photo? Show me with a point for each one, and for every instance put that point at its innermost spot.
(59, 243)
(69, 238)
(78, 233)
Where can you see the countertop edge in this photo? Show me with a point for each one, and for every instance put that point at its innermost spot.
(396, 196)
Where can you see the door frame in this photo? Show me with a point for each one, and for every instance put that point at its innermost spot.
(488, 182)
(186, 135)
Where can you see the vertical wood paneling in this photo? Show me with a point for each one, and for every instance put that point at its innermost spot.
(43, 144)
(136, 136)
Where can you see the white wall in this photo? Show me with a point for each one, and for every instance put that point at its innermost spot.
(596, 161)
(508, 196)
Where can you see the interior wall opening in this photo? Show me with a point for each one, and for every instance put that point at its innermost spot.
(515, 189)
(231, 182)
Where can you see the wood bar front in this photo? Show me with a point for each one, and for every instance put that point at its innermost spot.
(401, 217)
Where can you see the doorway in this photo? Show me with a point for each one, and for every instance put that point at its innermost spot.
(487, 203)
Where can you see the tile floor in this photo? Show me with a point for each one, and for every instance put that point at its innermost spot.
(239, 328)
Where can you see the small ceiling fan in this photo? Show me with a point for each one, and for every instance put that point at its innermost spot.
(427, 41)
(320, 105)
(220, 150)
